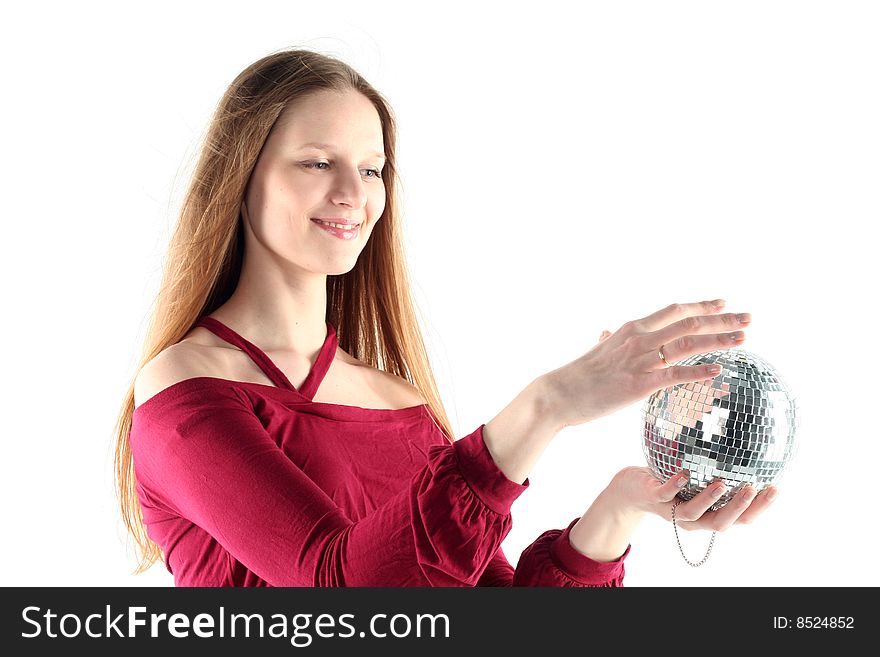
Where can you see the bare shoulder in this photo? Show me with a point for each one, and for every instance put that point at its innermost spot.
(173, 364)
(354, 382)
(400, 391)
(349, 381)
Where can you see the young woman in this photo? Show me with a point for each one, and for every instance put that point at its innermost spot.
(284, 427)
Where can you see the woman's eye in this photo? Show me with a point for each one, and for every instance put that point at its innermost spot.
(321, 167)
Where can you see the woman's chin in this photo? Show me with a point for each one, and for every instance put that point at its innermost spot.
(340, 268)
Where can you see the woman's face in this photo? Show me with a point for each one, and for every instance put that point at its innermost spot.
(322, 161)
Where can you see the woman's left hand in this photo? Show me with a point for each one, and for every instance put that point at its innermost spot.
(636, 489)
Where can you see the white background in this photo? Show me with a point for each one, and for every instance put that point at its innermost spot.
(564, 170)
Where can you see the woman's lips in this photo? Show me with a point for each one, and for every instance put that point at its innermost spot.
(341, 233)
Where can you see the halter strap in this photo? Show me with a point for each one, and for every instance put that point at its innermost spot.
(316, 374)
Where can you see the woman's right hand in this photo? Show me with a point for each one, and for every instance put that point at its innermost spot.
(626, 367)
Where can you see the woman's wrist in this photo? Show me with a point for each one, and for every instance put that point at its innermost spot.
(603, 532)
(520, 433)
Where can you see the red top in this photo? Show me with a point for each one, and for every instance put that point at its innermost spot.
(247, 484)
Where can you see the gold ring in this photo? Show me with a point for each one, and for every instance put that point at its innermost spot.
(663, 358)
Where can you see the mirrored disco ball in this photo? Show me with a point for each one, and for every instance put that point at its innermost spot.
(739, 426)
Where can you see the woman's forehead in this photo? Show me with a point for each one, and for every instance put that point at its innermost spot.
(322, 116)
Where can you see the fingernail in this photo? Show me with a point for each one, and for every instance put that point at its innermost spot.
(719, 490)
(681, 481)
(713, 369)
(749, 494)
(718, 303)
(771, 494)
(744, 318)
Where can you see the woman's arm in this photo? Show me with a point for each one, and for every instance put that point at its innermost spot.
(624, 367)
(520, 433)
(603, 532)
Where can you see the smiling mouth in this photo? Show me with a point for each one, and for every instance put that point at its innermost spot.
(341, 226)
(339, 231)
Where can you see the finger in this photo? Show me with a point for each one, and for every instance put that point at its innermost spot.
(733, 510)
(690, 345)
(677, 311)
(676, 374)
(605, 334)
(759, 505)
(692, 326)
(668, 491)
(694, 508)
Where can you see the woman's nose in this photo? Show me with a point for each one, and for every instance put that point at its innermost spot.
(348, 188)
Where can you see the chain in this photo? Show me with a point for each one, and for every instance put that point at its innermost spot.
(678, 540)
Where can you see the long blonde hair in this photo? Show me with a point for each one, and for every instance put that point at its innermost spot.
(370, 306)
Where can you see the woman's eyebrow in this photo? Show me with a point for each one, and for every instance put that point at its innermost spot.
(330, 147)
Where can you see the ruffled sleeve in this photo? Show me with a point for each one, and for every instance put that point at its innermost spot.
(552, 561)
(204, 455)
